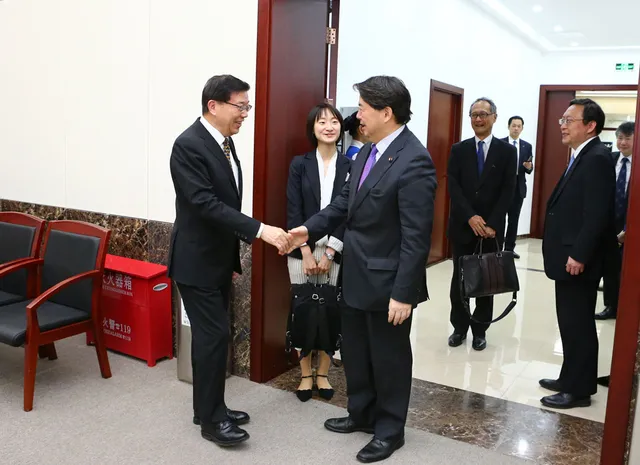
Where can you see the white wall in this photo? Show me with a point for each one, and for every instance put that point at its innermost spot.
(453, 42)
(94, 93)
(588, 68)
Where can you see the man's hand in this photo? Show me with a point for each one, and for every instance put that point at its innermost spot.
(477, 224)
(491, 233)
(276, 237)
(398, 312)
(297, 237)
(528, 165)
(325, 264)
(309, 265)
(573, 267)
(621, 237)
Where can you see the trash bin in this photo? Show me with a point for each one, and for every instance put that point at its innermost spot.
(136, 309)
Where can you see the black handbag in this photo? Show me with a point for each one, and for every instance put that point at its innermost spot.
(488, 274)
(314, 318)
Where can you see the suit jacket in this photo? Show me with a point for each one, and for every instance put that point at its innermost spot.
(303, 192)
(620, 223)
(388, 226)
(488, 195)
(526, 152)
(579, 215)
(205, 247)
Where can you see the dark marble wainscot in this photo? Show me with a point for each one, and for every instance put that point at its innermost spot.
(542, 436)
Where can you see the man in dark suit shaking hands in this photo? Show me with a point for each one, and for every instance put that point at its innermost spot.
(205, 248)
(481, 176)
(524, 166)
(577, 231)
(388, 208)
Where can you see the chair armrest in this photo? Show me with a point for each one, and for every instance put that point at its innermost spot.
(20, 265)
(46, 295)
(13, 262)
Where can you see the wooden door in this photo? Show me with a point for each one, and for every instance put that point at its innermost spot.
(552, 155)
(290, 80)
(445, 125)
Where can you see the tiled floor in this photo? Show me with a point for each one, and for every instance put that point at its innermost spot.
(522, 348)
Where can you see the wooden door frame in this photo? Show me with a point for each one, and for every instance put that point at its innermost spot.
(618, 420)
(538, 203)
(457, 91)
(332, 61)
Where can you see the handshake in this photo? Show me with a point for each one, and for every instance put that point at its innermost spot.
(285, 242)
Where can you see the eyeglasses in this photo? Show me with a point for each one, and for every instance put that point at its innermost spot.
(562, 121)
(482, 115)
(246, 108)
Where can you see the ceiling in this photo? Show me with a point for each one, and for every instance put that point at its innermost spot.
(570, 25)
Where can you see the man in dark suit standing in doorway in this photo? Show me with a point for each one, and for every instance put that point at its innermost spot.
(524, 166)
(613, 263)
(578, 227)
(205, 248)
(388, 209)
(482, 177)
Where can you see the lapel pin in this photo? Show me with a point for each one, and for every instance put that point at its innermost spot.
(390, 158)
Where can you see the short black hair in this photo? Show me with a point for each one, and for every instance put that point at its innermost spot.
(591, 112)
(381, 92)
(352, 124)
(626, 129)
(219, 88)
(315, 114)
(515, 117)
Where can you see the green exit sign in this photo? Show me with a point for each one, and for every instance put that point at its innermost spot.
(625, 66)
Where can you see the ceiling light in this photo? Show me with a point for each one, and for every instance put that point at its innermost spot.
(537, 8)
(574, 44)
(558, 28)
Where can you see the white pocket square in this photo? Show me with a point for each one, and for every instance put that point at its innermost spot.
(347, 178)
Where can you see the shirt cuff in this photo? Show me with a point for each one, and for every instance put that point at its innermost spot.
(335, 244)
(260, 231)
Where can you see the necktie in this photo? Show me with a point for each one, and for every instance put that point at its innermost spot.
(226, 148)
(571, 160)
(515, 144)
(369, 164)
(621, 189)
(480, 156)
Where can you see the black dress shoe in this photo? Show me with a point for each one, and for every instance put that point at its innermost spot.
(516, 256)
(551, 384)
(346, 425)
(564, 400)
(225, 433)
(456, 339)
(479, 343)
(236, 416)
(609, 313)
(377, 450)
(604, 381)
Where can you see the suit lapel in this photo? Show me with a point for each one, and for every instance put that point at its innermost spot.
(237, 161)
(342, 168)
(217, 152)
(312, 174)
(565, 179)
(383, 164)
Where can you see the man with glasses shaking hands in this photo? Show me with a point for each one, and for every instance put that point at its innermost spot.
(482, 179)
(205, 246)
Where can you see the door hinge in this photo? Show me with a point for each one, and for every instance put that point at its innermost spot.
(331, 35)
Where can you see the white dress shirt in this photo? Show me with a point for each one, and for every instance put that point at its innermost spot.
(326, 190)
(487, 144)
(384, 144)
(577, 151)
(517, 141)
(619, 167)
(219, 138)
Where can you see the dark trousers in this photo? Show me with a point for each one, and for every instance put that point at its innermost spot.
(512, 225)
(575, 306)
(612, 269)
(378, 361)
(207, 312)
(484, 305)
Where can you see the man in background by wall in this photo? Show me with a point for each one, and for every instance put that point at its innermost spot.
(613, 262)
(205, 247)
(578, 227)
(524, 167)
(482, 177)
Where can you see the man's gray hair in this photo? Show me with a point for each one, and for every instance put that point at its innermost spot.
(494, 109)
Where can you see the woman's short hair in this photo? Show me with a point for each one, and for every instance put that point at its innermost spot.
(315, 114)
